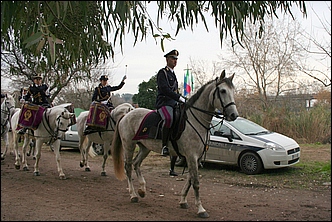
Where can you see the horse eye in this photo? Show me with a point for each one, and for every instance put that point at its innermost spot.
(223, 91)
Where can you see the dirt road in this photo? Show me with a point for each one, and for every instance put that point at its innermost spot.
(88, 196)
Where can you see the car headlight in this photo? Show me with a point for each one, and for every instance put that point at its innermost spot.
(273, 146)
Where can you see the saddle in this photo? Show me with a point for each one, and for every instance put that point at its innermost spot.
(151, 125)
(98, 117)
(31, 116)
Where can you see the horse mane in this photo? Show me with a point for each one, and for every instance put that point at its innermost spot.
(194, 97)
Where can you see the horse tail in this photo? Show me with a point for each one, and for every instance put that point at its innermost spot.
(117, 154)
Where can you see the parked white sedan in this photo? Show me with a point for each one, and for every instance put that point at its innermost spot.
(249, 146)
(71, 140)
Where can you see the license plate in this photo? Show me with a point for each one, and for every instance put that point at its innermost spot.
(294, 156)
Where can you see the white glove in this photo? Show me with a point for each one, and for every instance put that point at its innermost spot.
(124, 78)
(183, 100)
(104, 102)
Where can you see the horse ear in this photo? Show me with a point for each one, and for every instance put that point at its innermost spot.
(14, 95)
(223, 74)
(231, 77)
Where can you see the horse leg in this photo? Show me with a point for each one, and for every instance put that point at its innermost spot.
(84, 146)
(32, 144)
(5, 139)
(107, 148)
(85, 156)
(11, 142)
(141, 155)
(17, 154)
(193, 179)
(128, 167)
(24, 148)
(38, 146)
(56, 146)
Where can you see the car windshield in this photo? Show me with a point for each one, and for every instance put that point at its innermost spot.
(74, 127)
(248, 127)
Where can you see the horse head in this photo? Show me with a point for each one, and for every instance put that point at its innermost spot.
(9, 102)
(7, 105)
(223, 97)
(63, 121)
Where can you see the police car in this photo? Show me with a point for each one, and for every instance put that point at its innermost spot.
(249, 146)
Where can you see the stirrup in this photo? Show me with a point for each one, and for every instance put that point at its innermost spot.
(22, 131)
(165, 151)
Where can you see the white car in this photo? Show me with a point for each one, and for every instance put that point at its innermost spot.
(71, 140)
(249, 146)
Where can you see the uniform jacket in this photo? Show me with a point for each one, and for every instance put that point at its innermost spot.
(168, 92)
(103, 93)
(38, 95)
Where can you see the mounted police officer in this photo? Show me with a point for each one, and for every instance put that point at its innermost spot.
(168, 95)
(103, 91)
(102, 94)
(38, 93)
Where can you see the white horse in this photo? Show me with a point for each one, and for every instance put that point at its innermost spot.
(200, 108)
(54, 124)
(7, 111)
(104, 137)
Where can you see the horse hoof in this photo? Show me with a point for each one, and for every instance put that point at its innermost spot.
(62, 177)
(17, 167)
(141, 193)
(184, 205)
(103, 173)
(87, 169)
(36, 173)
(28, 154)
(81, 164)
(34, 158)
(203, 215)
(2, 158)
(134, 199)
(25, 169)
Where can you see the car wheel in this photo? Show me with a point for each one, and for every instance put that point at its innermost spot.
(250, 163)
(180, 162)
(98, 148)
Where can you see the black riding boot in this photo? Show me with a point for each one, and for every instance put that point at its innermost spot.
(165, 134)
(22, 131)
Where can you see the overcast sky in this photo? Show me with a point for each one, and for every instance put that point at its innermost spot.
(146, 58)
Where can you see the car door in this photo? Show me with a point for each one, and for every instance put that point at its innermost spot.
(222, 145)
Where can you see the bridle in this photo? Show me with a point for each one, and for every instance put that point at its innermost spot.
(213, 114)
(54, 134)
(6, 112)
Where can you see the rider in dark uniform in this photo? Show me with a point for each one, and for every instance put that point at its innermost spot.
(168, 96)
(38, 93)
(102, 94)
(103, 91)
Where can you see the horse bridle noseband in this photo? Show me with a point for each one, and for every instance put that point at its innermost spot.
(215, 114)
(54, 136)
(7, 113)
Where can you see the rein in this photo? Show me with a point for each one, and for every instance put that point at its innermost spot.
(6, 112)
(54, 134)
(213, 114)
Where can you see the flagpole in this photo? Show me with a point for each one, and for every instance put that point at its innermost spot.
(187, 83)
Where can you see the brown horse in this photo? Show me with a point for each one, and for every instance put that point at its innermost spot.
(200, 108)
